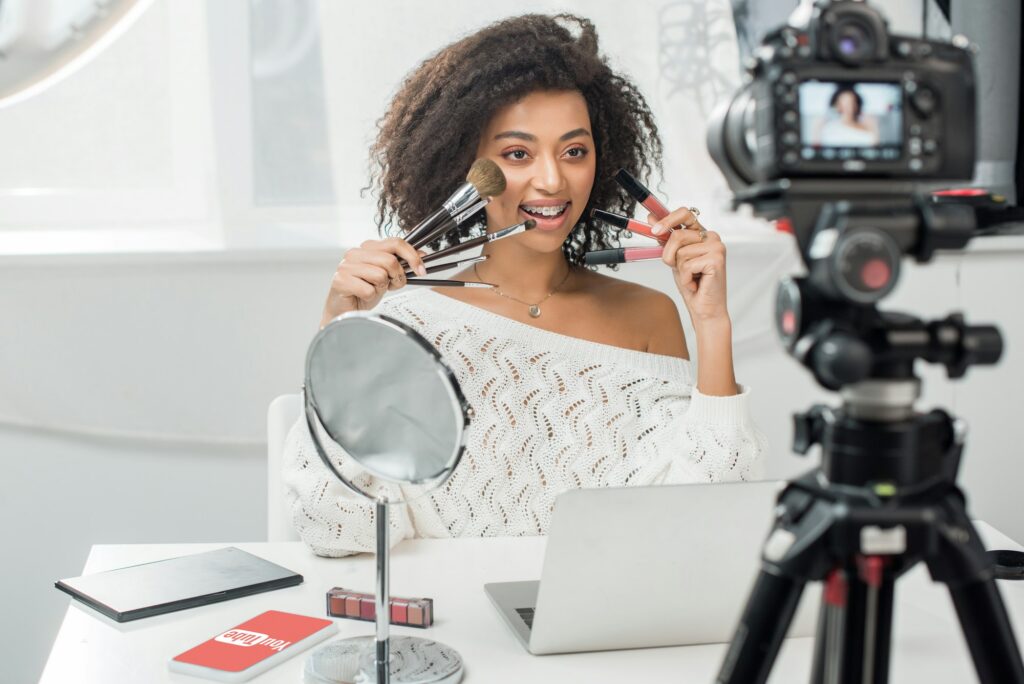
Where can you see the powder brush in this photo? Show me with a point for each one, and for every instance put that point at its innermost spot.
(484, 180)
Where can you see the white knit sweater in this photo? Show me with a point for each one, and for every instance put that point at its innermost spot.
(551, 412)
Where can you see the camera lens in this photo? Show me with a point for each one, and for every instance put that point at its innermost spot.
(732, 137)
(849, 45)
(852, 41)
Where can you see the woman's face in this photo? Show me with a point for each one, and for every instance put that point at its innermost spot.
(846, 105)
(543, 144)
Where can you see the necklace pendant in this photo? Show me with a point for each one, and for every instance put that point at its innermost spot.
(534, 311)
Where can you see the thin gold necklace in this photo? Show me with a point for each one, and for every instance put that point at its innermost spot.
(534, 309)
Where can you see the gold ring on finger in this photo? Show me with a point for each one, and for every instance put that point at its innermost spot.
(703, 233)
(694, 210)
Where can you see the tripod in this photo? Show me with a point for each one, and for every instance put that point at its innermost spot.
(884, 498)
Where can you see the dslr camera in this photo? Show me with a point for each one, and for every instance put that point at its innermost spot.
(842, 98)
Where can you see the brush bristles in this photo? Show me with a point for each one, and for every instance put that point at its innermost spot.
(530, 224)
(487, 178)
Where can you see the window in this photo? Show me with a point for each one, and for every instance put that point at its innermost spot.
(121, 145)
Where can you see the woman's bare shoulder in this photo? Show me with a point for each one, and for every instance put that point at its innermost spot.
(644, 309)
(621, 291)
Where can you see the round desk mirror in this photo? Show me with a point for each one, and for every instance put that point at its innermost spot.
(387, 417)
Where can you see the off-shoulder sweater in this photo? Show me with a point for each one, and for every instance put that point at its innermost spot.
(550, 413)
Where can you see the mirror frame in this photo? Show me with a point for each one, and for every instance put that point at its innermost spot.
(463, 412)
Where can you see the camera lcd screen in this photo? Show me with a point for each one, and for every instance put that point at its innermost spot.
(843, 120)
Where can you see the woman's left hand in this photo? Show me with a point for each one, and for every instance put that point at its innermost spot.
(697, 265)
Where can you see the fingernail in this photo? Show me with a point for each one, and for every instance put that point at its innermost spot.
(657, 229)
(421, 270)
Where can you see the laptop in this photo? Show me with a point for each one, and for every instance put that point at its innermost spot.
(637, 567)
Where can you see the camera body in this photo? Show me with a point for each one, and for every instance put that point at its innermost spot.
(845, 98)
(842, 98)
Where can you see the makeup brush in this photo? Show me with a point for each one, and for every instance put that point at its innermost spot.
(447, 283)
(526, 225)
(449, 265)
(484, 179)
(452, 223)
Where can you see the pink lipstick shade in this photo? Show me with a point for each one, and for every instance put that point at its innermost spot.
(622, 255)
(410, 612)
(629, 224)
(641, 194)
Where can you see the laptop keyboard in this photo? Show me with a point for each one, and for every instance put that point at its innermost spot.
(526, 614)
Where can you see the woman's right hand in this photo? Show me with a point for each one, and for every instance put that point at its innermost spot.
(366, 273)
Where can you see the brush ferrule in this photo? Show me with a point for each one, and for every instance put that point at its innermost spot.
(505, 232)
(461, 199)
(473, 208)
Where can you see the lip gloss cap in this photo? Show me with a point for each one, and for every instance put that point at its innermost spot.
(632, 185)
(604, 256)
(609, 217)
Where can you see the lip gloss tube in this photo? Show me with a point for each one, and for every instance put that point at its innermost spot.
(641, 194)
(622, 255)
(629, 224)
(355, 605)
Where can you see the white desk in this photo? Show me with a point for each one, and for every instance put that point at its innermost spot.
(90, 648)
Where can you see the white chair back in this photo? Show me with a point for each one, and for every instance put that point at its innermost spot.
(284, 411)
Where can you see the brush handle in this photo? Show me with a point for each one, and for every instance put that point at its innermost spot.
(449, 265)
(449, 225)
(456, 249)
(475, 242)
(445, 283)
(427, 225)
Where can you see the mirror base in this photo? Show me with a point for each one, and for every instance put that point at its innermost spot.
(413, 661)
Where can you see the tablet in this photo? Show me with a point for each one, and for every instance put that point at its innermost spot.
(165, 586)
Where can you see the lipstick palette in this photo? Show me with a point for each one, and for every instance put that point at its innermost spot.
(407, 612)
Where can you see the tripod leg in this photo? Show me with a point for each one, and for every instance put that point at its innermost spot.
(960, 562)
(878, 594)
(855, 625)
(759, 635)
(987, 630)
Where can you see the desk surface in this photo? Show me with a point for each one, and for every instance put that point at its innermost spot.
(90, 648)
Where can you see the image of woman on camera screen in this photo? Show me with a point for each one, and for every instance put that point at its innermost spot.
(845, 124)
(576, 378)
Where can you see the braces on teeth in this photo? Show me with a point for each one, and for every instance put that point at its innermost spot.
(545, 211)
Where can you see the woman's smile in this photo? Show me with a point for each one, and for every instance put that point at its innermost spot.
(549, 214)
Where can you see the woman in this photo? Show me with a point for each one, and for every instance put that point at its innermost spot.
(597, 389)
(847, 127)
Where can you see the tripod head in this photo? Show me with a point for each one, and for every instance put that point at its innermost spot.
(828, 320)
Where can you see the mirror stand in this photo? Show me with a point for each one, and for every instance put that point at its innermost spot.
(400, 417)
(383, 660)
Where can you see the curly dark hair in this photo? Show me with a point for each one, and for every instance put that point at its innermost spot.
(428, 137)
(847, 88)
